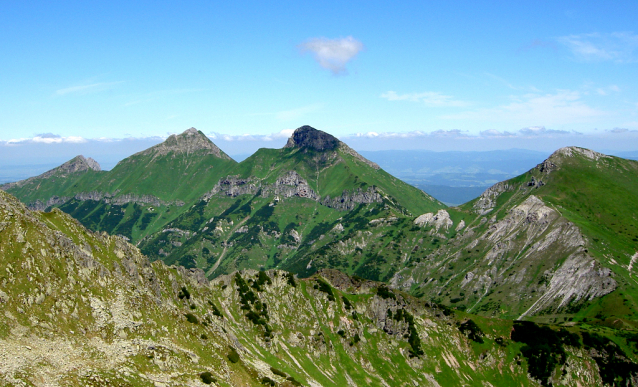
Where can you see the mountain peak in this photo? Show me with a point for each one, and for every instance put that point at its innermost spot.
(189, 141)
(76, 164)
(307, 137)
(79, 163)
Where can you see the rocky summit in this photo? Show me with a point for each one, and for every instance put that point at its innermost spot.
(188, 142)
(307, 137)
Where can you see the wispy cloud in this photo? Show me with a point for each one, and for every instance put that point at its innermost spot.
(333, 54)
(428, 98)
(87, 88)
(615, 46)
(563, 107)
(282, 134)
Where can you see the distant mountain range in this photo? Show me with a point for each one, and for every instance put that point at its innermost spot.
(554, 244)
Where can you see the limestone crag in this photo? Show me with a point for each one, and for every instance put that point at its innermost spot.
(487, 200)
(350, 199)
(440, 220)
(532, 237)
(234, 186)
(288, 185)
(39, 205)
(292, 184)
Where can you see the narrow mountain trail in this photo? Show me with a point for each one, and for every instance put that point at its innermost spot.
(221, 256)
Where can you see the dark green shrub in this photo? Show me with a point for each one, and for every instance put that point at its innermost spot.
(193, 306)
(278, 372)
(293, 381)
(346, 303)
(543, 350)
(472, 331)
(385, 293)
(203, 336)
(233, 356)
(216, 311)
(207, 377)
(324, 287)
(341, 333)
(291, 280)
(191, 318)
(183, 293)
(266, 381)
(356, 338)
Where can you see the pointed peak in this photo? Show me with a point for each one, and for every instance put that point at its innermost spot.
(307, 137)
(189, 141)
(77, 164)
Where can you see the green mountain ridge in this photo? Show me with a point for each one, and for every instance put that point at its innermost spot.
(85, 308)
(555, 245)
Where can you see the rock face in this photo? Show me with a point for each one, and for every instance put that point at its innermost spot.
(440, 220)
(190, 141)
(75, 165)
(307, 137)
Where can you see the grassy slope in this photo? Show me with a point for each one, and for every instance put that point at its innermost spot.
(255, 232)
(57, 185)
(170, 177)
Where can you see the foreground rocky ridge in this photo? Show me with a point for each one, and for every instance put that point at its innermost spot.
(81, 308)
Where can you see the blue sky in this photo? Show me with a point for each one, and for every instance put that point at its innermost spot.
(504, 74)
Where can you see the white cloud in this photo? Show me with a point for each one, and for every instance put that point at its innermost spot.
(87, 88)
(407, 135)
(282, 134)
(47, 138)
(289, 115)
(615, 46)
(563, 107)
(428, 98)
(333, 54)
(491, 133)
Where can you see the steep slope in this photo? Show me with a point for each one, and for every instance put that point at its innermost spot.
(554, 244)
(278, 200)
(83, 308)
(141, 194)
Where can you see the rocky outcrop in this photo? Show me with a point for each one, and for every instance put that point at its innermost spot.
(75, 165)
(440, 220)
(292, 184)
(288, 185)
(190, 141)
(234, 186)
(486, 202)
(309, 138)
(39, 205)
(350, 199)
